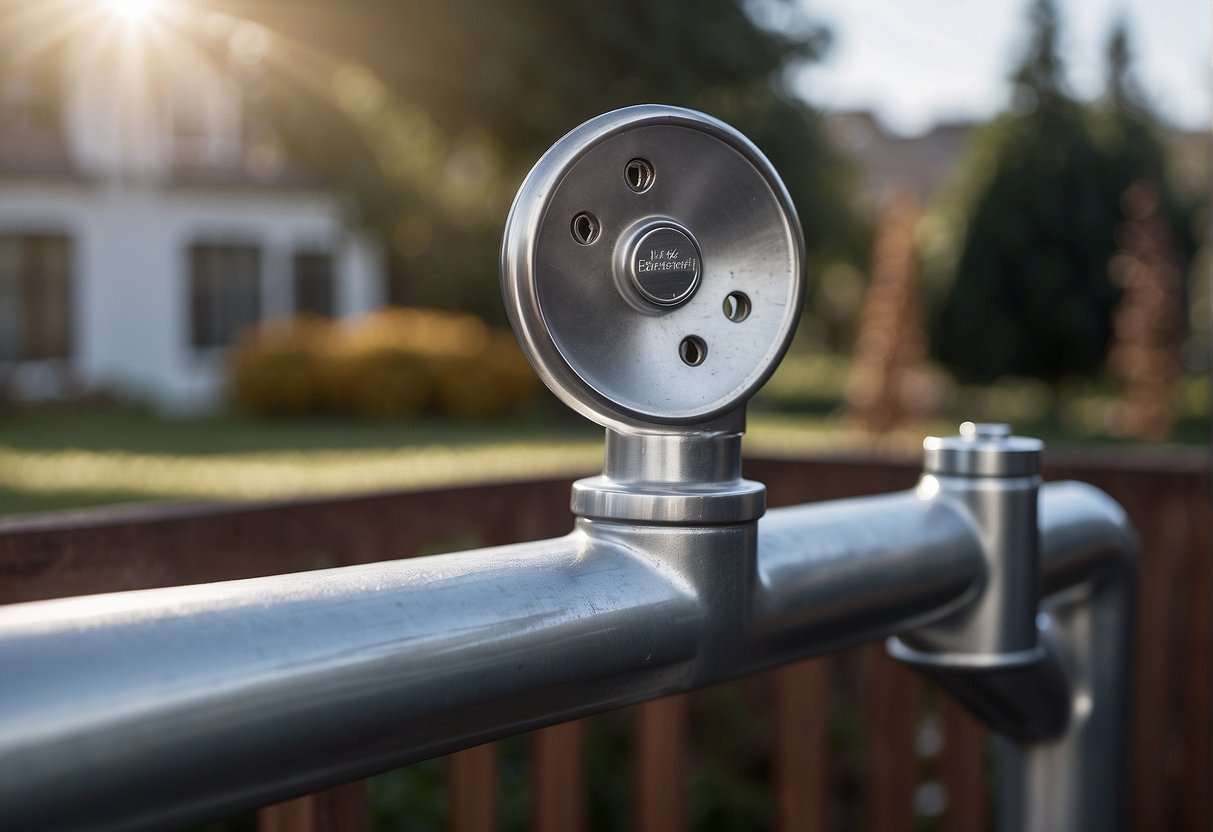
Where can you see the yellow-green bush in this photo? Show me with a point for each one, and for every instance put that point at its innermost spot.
(396, 363)
(489, 384)
(280, 369)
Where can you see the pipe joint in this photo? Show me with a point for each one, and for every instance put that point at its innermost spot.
(988, 653)
(676, 477)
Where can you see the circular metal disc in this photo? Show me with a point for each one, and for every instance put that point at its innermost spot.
(663, 263)
(604, 323)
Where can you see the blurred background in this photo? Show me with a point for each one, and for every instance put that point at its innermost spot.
(248, 248)
(232, 229)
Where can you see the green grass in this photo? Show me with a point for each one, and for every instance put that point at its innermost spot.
(62, 458)
(131, 430)
(58, 458)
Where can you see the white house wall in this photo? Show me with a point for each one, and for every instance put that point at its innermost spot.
(361, 269)
(130, 275)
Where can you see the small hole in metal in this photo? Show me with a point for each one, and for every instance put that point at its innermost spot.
(693, 350)
(586, 228)
(737, 306)
(639, 175)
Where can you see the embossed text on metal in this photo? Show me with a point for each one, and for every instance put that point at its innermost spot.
(664, 266)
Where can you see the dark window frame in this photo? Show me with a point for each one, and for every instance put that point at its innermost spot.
(314, 282)
(225, 290)
(43, 287)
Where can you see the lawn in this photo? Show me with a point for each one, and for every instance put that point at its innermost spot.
(66, 458)
(59, 457)
(54, 458)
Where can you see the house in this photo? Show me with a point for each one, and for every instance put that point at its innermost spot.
(145, 222)
(888, 162)
(923, 164)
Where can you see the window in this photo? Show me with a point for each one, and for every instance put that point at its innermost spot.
(35, 296)
(314, 283)
(225, 292)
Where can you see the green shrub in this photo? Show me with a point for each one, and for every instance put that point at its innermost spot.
(393, 364)
(381, 382)
(491, 383)
(280, 368)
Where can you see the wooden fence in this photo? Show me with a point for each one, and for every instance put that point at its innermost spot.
(914, 749)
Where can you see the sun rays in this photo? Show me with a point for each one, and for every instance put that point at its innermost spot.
(133, 65)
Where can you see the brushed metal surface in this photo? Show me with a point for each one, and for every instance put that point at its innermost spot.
(159, 708)
(603, 349)
(996, 477)
(683, 477)
(1080, 780)
(154, 709)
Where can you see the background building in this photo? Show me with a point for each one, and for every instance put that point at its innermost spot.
(141, 233)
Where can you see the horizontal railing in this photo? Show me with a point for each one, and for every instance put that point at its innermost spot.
(93, 552)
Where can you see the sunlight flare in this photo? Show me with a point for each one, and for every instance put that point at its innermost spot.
(134, 11)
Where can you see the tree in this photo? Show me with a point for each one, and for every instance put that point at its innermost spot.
(883, 393)
(434, 111)
(1133, 147)
(1145, 356)
(1031, 296)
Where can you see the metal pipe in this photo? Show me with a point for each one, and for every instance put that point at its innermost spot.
(838, 573)
(1080, 780)
(160, 708)
(165, 707)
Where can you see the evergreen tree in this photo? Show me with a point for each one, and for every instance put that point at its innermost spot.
(1133, 146)
(1031, 294)
(1040, 74)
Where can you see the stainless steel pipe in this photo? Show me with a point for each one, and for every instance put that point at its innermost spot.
(1080, 780)
(164, 707)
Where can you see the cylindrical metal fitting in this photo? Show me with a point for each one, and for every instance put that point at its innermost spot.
(982, 450)
(996, 477)
(671, 478)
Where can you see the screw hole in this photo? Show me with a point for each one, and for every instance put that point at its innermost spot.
(693, 350)
(586, 228)
(737, 306)
(639, 175)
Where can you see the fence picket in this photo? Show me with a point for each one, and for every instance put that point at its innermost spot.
(962, 769)
(340, 809)
(472, 789)
(660, 759)
(800, 745)
(558, 768)
(895, 707)
(1196, 715)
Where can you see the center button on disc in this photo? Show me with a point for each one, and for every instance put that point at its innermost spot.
(664, 265)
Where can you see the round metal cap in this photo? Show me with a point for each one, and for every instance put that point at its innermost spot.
(982, 450)
(652, 268)
(663, 263)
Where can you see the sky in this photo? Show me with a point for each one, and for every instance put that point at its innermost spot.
(916, 62)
